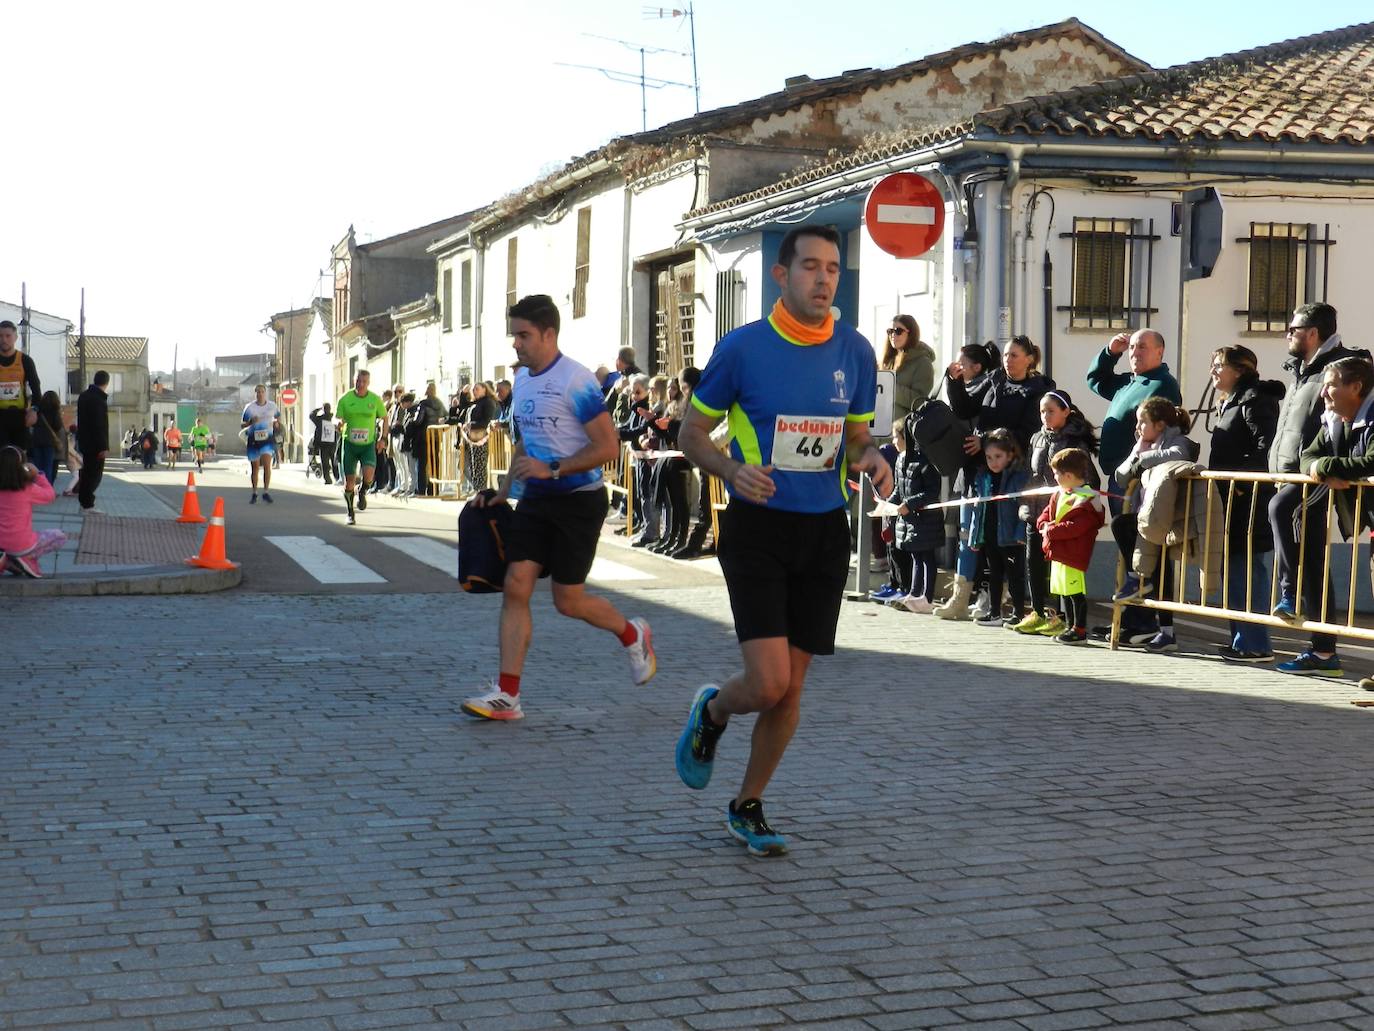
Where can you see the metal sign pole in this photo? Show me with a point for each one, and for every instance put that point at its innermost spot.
(865, 546)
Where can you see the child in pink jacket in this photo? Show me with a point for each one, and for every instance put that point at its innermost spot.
(21, 487)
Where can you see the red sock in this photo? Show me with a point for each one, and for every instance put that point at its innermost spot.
(629, 635)
(509, 683)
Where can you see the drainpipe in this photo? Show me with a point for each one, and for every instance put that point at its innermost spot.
(626, 271)
(479, 246)
(1005, 253)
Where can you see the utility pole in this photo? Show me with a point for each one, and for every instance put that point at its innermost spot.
(24, 314)
(81, 343)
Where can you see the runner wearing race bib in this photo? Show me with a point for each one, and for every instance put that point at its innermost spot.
(200, 442)
(19, 390)
(799, 390)
(358, 412)
(259, 420)
(171, 443)
(565, 436)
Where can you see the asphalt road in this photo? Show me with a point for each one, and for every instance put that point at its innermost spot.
(406, 545)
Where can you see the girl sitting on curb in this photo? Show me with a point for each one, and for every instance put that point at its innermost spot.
(21, 487)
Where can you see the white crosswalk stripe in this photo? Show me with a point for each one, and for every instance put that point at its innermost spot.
(325, 562)
(444, 557)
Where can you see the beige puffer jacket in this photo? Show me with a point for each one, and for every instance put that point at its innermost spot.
(1161, 521)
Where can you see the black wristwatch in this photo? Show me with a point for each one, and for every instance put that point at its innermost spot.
(554, 468)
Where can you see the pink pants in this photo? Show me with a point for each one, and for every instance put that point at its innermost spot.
(48, 540)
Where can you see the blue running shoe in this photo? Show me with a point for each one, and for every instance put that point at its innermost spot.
(696, 748)
(1309, 664)
(883, 593)
(1286, 610)
(747, 824)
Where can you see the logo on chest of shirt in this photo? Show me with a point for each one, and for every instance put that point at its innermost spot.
(839, 387)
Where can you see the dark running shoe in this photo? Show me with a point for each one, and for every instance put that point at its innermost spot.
(362, 501)
(1233, 655)
(746, 823)
(267, 497)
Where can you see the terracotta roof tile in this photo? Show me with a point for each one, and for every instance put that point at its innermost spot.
(1314, 89)
(107, 348)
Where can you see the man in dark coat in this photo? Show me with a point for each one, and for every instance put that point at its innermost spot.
(92, 437)
(1313, 344)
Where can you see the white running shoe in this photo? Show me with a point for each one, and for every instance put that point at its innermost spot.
(643, 664)
(494, 705)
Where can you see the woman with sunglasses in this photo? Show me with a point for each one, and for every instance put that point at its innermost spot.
(913, 360)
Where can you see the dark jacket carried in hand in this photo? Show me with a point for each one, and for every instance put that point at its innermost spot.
(1047, 443)
(1241, 442)
(1125, 391)
(92, 421)
(1342, 451)
(482, 534)
(1300, 414)
(915, 483)
(1003, 405)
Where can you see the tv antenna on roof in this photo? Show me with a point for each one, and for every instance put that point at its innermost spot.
(646, 82)
(659, 13)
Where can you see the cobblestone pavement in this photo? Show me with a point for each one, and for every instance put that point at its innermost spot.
(986, 831)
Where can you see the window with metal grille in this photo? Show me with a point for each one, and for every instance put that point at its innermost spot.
(446, 302)
(511, 253)
(1101, 273)
(465, 287)
(583, 264)
(729, 301)
(1281, 275)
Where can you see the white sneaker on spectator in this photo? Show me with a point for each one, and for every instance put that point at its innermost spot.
(917, 603)
(643, 664)
(982, 608)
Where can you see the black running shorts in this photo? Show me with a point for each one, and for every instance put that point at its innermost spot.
(786, 573)
(560, 532)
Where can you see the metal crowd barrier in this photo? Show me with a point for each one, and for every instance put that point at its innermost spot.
(719, 501)
(498, 454)
(619, 476)
(1181, 599)
(443, 464)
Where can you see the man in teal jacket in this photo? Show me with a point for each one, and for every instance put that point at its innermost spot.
(1149, 377)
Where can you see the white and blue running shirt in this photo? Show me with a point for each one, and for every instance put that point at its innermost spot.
(549, 410)
(259, 417)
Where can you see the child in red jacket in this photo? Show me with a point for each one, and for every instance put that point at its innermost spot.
(1068, 526)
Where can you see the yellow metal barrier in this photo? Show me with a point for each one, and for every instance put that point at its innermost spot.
(498, 454)
(1202, 557)
(443, 465)
(719, 501)
(619, 476)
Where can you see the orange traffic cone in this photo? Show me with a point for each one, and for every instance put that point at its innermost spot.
(190, 506)
(212, 549)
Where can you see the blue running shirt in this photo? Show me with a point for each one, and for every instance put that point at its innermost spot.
(788, 404)
(549, 410)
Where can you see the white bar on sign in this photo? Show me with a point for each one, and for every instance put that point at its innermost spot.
(326, 563)
(906, 214)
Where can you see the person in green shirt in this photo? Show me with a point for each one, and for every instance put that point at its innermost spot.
(200, 441)
(358, 412)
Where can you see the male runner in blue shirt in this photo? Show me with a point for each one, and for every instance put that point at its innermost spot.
(799, 389)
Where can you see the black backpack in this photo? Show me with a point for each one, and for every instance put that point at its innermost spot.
(939, 433)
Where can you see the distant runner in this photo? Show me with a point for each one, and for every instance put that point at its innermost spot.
(259, 419)
(358, 412)
(171, 443)
(565, 436)
(200, 443)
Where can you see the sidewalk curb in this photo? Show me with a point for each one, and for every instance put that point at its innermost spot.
(156, 580)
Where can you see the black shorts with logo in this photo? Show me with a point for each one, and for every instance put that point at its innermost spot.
(786, 573)
(560, 532)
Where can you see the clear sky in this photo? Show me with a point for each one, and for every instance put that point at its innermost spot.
(191, 165)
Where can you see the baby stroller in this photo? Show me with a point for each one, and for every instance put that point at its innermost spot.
(313, 467)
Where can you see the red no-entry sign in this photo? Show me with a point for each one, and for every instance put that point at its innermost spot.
(905, 214)
(288, 396)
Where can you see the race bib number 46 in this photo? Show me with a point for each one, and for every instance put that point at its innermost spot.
(807, 443)
(359, 436)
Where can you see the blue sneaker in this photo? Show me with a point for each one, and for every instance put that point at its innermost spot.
(1286, 610)
(883, 593)
(746, 824)
(1309, 664)
(1134, 586)
(696, 748)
